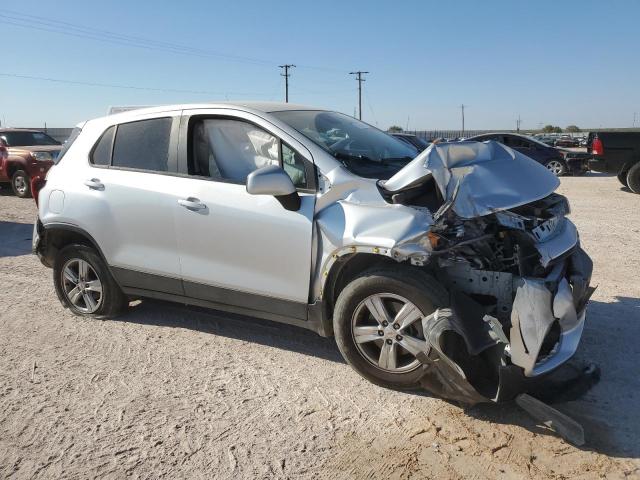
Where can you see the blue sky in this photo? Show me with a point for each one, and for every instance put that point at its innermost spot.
(559, 62)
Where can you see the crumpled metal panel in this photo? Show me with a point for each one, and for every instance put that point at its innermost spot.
(492, 176)
(531, 319)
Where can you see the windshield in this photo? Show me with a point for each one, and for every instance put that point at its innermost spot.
(27, 139)
(361, 148)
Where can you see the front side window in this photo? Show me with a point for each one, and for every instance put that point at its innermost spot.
(229, 150)
(294, 165)
(361, 148)
(143, 145)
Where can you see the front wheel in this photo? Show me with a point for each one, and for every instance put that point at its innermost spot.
(84, 284)
(378, 328)
(557, 167)
(21, 184)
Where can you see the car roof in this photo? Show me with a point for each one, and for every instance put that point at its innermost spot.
(250, 106)
(403, 134)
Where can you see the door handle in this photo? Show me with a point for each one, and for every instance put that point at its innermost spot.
(94, 184)
(192, 204)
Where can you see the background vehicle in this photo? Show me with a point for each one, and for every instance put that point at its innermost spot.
(278, 211)
(412, 140)
(557, 161)
(619, 153)
(30, 153)
(567, 141)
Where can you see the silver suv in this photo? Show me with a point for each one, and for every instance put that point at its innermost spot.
(456, 270)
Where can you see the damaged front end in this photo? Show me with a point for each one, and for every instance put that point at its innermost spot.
(502, 245)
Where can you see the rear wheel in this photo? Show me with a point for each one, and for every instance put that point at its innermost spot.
(633, 178)
(557, 167)
(622, 177)
(21, 184)
(378, 328)
(84, 284)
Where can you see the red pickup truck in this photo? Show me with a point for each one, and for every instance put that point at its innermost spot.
(25, 155)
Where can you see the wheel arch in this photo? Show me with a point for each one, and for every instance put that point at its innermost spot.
(57, 236)
(348, 267)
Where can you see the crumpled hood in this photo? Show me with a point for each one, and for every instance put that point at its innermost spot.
(478, 177)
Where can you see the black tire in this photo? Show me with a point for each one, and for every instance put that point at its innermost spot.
(21, 184)
(414, 285)
(622, 177)
(633, 178)
(112, 301)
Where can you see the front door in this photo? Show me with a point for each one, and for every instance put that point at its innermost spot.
(236, 248)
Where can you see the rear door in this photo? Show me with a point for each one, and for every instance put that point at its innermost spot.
(127, 202)
(235, 248)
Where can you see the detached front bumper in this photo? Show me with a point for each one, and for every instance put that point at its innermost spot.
(548, 316)
(472, 360)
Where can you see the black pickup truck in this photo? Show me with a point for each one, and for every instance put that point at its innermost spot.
(616, 152)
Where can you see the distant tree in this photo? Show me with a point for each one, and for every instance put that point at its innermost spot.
(572, 129)
(395, 129)
(551, 129)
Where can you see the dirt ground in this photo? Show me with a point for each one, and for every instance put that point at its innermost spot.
(174, 392)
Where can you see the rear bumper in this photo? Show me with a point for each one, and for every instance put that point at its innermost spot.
(599, 164)
(577, 164)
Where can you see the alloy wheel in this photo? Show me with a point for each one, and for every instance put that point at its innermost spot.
(387, 332)
(555, 167)
(20, 184)
(81, 285)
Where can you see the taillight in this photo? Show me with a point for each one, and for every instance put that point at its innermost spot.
(597, 147)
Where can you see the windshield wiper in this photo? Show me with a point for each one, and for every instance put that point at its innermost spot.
(351, 156)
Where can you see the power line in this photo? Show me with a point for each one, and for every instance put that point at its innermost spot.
(359, 79)
(79, 31)
(74, 30)
(130, 87)
(286, 76)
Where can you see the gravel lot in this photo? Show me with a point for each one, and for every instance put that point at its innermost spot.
(176, 392)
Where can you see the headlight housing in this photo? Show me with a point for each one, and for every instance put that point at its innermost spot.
(42, 156)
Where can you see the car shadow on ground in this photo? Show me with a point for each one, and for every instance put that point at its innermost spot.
(607, 410)
(15, 238)
(6, 191)
(240, 327)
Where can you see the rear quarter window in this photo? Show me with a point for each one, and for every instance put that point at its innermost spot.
(75, 133)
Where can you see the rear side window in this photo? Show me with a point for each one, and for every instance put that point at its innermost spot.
(143, 145)
(67, 145)
(102, 151)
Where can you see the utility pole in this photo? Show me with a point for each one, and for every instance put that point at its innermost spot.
(462, 110)
(359, 78)
(286, 76)
(518, 123)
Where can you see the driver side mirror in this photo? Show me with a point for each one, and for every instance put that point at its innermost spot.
(273, 180)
